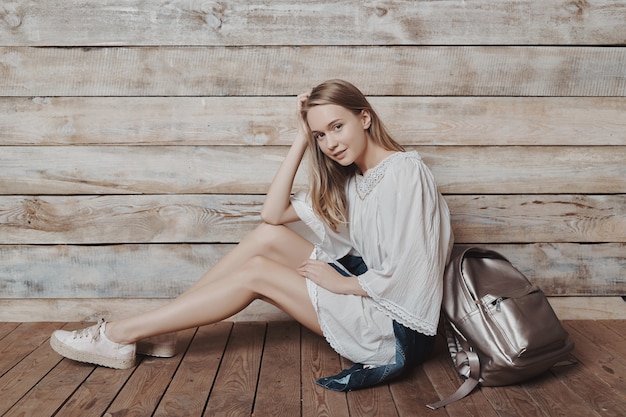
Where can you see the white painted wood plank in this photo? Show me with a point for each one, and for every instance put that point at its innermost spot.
(165, 271)
(20, 310)
(254, 121)
(242, 170)
(263, 70)
(122, 219)
(353, 22)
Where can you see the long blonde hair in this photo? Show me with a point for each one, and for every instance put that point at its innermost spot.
(327, 178)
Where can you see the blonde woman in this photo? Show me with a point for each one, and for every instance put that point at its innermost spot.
(359, 259)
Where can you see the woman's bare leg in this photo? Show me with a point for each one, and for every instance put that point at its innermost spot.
(274, 242)
(261, 267)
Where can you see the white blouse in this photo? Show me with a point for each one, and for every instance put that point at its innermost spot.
(400, 225)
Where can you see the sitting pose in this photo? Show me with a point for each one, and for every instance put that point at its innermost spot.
(359, 259)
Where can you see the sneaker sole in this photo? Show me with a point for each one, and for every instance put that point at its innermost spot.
(158, 351)
(92, 358)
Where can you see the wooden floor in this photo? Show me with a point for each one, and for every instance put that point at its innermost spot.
(269, 369)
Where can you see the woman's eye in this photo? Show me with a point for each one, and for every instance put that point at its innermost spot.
(318, 136)
(338, 126)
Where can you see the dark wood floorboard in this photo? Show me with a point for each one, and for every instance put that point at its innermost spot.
(269, 369)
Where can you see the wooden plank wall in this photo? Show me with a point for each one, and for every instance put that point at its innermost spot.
(137, 138)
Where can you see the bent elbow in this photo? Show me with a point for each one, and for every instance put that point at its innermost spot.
(270, 219)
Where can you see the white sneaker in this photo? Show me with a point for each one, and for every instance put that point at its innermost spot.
(162, 346)
(92, 346)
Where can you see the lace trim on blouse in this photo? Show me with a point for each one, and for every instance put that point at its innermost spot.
(366, 183)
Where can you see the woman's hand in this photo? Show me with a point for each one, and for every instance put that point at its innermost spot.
(327, 277)
(303, 128)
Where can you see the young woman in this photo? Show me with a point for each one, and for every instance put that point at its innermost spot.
(359, 259)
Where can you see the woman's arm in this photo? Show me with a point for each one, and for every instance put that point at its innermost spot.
(277, 208)
(327, 277)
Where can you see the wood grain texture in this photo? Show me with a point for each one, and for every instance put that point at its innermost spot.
(194, 379)
(318, 361)
(258, 121)
(609, 365)
(137, 138)
(538, 218)
(50, 393)
(586, 383)
(278, 391)
(279, 22)
(149, 380)
(268, 70)
(444, 379)
(93, 396)
(36, 358)
(250, 170)
(580, 389)
(589, 308)
(179, 218)
(92, 309)
(236, 382)
(165, 271)
(376, 401)
(219, 218)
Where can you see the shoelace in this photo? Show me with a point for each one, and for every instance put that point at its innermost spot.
(92, 332)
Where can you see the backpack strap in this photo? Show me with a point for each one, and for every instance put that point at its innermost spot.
(463, 358)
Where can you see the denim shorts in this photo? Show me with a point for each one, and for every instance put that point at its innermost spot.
(412, 348)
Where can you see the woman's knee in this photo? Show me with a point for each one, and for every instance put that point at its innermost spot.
(269, 233)
(270, 238)
(254, 271)
(262, 275)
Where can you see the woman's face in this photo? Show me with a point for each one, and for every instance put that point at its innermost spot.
(340, 134)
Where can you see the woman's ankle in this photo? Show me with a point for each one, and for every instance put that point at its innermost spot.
(111, 331)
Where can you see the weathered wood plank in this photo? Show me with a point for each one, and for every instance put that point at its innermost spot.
(236, 170)
(263, 70)
(254, 121)
(444, 379)
(29, 339)
(551, 394)
(279, 22)
(123, 271)
(598, 395)
(228, 219)
(141, 395)
(605, 364)
(540, 218)
(376, 401)
(616, 326)
(576, 390)
(236, 382)
(373, 402)
(278, 390)
(128, 219)
(93, 309)
(6, 328)
(318, 361)
(613, 343)
(412, 392)
(513, 401)
(589, 308)
(117, 171)
(189, 390)
(52, 391)
(95, 394)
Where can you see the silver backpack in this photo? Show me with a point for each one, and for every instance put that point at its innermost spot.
(499, 327)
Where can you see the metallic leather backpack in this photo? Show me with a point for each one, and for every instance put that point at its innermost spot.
(499, 327)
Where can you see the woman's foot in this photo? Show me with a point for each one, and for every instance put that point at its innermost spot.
(92, 346)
